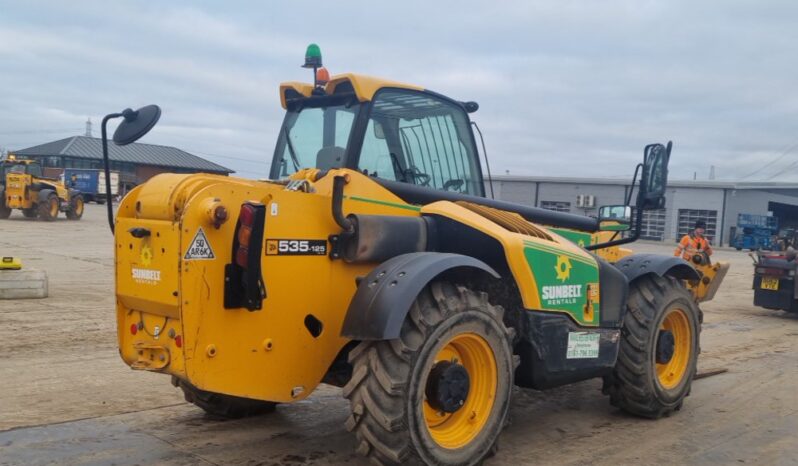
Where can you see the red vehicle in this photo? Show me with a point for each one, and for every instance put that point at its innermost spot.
(774, 280)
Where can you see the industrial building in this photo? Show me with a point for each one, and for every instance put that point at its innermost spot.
(716, 202)
(136, 163)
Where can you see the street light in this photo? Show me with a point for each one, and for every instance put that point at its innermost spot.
(135, 125)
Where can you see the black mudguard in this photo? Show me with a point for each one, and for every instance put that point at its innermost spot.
(43, 194)
(384, 297)
(637, 265)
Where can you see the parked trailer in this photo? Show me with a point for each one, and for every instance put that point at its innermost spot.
(91, 183)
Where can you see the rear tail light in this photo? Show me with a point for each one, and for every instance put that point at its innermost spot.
(770, 271)
(243, 281)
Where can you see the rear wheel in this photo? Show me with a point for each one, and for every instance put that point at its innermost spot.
(48, 209)
(659, 349)
(30, 213)
(217, 404)
(439, 393)
(76, 206)
(5, 212)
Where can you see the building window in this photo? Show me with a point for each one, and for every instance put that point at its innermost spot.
(557, 206)
(653, 225)
(688, 217)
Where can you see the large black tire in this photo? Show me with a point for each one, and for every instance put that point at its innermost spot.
(76, 207)
(387, 392)
(30, 213)
(48, 210)
(641, 383)
(227, 406)
(5, 212)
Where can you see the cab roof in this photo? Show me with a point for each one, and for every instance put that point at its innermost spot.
(364, 87)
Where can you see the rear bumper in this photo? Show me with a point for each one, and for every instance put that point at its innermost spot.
(783, 298)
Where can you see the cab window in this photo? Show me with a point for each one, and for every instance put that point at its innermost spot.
(314, 138)
(35, 170)
(417, 138)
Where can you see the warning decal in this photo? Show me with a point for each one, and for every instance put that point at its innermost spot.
(199, 248)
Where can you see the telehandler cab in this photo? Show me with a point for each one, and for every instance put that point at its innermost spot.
(23, 187)
(373, 261)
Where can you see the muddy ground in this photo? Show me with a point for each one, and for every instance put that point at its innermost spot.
(67, 398)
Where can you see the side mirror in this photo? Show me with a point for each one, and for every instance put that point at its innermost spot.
(655, 176)
(136, 124)
(615, 218)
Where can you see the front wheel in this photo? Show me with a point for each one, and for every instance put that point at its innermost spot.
(439, 393)
(659, 349)
(76, 206)
(48, 209)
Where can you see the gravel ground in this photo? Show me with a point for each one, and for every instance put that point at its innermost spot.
(67, 398)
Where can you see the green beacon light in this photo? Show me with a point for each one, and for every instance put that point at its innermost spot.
(312, 57)
(313, 60)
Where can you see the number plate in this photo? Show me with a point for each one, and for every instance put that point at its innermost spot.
(770, 283)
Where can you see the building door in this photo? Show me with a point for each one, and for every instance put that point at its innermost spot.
(688, 217)
(786, 213)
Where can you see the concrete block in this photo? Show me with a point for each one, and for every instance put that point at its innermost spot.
(23, 284)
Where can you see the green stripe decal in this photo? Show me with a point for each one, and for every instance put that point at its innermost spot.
(414, 208)
(554, 250)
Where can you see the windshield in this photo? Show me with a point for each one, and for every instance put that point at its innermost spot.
(418, 138)
(10, 168)
(313, 138)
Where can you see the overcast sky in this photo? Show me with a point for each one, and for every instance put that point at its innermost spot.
(565, 88)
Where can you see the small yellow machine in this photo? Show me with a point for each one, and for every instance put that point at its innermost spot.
(10, 263)
(372, 260)
(23, 187)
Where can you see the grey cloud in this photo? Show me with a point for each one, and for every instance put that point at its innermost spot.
(565, 88)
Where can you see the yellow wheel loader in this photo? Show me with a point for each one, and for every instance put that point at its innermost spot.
(23, 187)
(372, 260)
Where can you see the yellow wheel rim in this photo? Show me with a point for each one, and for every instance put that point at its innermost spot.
(671, 373)
(79, 206)
(457, 429)
(53, 208)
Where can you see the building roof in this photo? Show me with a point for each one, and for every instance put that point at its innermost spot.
(85, 147)
(711, 184)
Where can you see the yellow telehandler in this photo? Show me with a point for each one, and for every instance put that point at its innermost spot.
(372, 260)
(23, 187)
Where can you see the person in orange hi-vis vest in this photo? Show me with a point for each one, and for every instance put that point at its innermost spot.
(694, 242)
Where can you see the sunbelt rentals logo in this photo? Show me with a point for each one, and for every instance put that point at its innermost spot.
(557, 295)
(146, 276)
